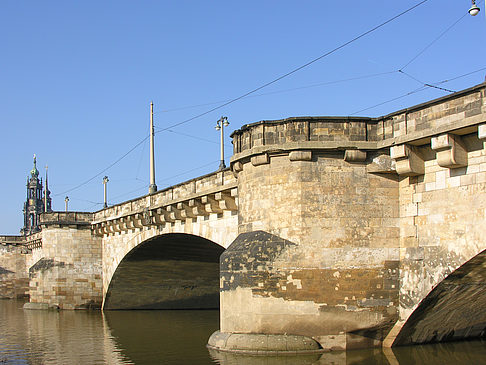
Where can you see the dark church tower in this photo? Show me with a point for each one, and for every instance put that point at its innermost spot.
(36, 202)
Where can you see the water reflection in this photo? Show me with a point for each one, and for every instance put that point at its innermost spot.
(51, 337)
(168, 337)
(172, 337)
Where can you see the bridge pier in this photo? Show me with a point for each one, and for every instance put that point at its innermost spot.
(65, 267)
(349, 226)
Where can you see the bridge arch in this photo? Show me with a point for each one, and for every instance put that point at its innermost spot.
(168, 271)
(454, 310)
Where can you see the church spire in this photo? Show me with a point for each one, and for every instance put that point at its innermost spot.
(37, 202)
(34, 172)
(47, 195)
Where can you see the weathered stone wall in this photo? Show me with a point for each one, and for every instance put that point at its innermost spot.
(218, 228)
(443, 215)
(205, 207)
(14, 278)
(318, 249)
(346, 225)
(69, 272)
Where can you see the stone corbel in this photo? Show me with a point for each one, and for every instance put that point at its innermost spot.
(147, 218)
(450, 150)
(197, 207)
(174, 213)
(354, 156)
(211, 205)
(161, 216)
(116, 225)
(300, 156)
(110, 225)
(135, 221)
(237, 167)
(122, 224)
(383, 164)
(407, 161)
(262, 159)
(482, 132)
(186, 211)
(226, 201)
(99, 229)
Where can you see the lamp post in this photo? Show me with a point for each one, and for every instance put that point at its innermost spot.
(220, 124)
(66, 199)
(474, 8)
(152, 186)
(105, 181)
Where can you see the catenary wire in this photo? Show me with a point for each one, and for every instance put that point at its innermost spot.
(421, 89)
(431, 43)
(298, 68)
(284, 90)
(104, 170)
(254, 90)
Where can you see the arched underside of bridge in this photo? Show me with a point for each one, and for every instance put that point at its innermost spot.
(172, 271)
(454, 310)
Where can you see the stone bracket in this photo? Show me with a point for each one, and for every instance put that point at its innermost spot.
(300, 155)
(226, 201)
(450, 150)
(482, 132)
(174, 213)
(354, 156)
(186, 210)
(382, 164)
(407, 161)
(211, 205)
(262, 159)
(197, 207)
(161, 216)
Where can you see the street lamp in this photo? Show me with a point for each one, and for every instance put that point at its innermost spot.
(105, 181)
(220, 124)
(474, 9)
(66, 199)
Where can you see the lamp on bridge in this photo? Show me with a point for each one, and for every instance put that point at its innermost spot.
(66, 199)
(220, 124)
(474, 9)
(105, 181)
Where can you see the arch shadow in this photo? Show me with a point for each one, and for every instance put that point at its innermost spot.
(454, 310)
(171, 271)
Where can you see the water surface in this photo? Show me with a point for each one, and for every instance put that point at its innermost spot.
(171, 337)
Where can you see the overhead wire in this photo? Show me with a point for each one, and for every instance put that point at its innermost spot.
(284, 90)
(252, 91)
(298, 68)
(435, 40)
(104, 170)
(424, 87)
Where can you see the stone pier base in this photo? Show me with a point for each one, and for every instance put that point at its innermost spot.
(249, 343)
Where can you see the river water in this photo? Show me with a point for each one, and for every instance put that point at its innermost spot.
(171, 337)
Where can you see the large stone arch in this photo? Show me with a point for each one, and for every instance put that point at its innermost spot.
(454, 310)
(168, 271)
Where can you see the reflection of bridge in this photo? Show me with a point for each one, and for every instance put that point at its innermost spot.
(351, 231)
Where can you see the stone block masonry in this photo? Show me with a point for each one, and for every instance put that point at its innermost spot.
(68, 273)
(348, 224)
(14, 280)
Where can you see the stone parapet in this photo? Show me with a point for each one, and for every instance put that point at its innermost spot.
(66, 219)
(462, 112)
(170, 207)
(12, 240)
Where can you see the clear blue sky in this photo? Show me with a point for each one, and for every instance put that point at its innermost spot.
(77, 78)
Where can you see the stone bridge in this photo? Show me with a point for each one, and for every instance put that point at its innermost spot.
(340, 232)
